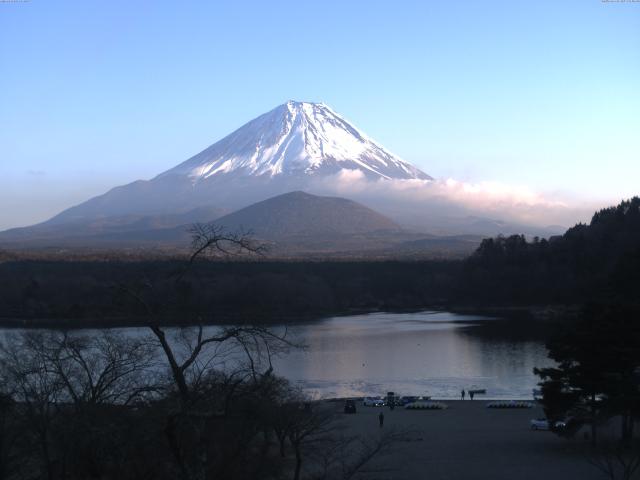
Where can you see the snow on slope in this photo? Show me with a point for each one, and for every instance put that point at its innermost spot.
(296, 146)
(297, 138)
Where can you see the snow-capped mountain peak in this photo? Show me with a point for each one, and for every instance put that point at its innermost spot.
(296, 139)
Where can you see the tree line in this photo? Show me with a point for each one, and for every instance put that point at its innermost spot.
(86, 293)
(595, 380)
(599, 261)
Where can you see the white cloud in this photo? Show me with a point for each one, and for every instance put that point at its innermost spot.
(452, 198)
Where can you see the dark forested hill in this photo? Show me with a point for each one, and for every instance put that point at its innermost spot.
(598, 260)
(86, 293)
(299, 213)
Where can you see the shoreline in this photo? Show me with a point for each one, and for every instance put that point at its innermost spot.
(534, 315)
(432, 399)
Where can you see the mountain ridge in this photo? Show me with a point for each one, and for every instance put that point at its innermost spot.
(302, 214)
(292, 225)
(283, 150)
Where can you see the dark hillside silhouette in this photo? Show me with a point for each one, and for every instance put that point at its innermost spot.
(598, 260)
(300, 213)
(85, 292)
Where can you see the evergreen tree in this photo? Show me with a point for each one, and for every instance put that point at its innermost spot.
(596, 376)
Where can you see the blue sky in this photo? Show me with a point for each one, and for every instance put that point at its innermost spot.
(544, 94)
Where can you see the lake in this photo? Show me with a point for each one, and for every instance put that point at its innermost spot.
(425, 353)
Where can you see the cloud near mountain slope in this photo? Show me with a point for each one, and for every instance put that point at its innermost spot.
(438, 198)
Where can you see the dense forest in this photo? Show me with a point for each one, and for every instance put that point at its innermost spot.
(215, 291)
(600, 260)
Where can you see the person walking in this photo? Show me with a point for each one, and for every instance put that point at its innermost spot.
(381, 419)
(471, 394)
(462, 394)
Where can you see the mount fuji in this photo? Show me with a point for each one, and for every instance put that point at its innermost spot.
(296, 139)
(284, 150)
(296, 147)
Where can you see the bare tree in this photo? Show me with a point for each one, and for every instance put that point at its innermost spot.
(321, 449)
(615, 460)
(199, 357)
(346, 457)
(27, 374)
(368, 449)
(199, 346)
(210, 239)
(106, 368)
(9, 462)
(66, 387)
(306, 428)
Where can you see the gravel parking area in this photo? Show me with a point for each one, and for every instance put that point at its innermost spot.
(469, 441)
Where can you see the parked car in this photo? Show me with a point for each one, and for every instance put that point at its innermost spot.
(373, 402)
(561, 424)
(539, 424)
(350, 406)
(544, 424)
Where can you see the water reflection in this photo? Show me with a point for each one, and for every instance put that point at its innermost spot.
(427, 353)
(413, 354)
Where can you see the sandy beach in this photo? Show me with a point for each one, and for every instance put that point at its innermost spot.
(469, 441)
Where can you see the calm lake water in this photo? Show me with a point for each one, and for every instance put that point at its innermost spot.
(426, 353)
